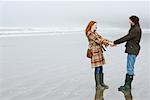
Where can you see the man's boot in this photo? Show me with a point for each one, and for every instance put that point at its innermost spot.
(127, 85)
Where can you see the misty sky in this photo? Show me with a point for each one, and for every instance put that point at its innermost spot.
(65, 13)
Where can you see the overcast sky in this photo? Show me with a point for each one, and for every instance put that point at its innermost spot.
(65, 13)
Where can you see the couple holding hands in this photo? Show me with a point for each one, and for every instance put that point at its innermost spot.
(95, 51)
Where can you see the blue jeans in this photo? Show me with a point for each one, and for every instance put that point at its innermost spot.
(130, 64)
(99, 70)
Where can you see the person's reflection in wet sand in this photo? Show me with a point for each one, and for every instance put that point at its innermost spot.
(128, 95)
(99, 93)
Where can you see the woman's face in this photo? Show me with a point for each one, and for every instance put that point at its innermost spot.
(131, 22)
(94, 27)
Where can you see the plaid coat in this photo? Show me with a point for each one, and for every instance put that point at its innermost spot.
(96, 43)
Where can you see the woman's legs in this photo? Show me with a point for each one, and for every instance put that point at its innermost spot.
(99, 77)
(99, 70)
(99, 87)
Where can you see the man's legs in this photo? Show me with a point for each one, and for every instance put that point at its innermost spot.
(130, 73)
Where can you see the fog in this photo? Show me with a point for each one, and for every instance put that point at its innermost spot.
(65, 13)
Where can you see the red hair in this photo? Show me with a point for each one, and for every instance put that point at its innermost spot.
(89, 26)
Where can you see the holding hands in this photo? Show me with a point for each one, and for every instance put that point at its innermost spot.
(111, 43)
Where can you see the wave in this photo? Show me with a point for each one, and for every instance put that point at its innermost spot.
(32, 31)
(21, 31)
(51, 29)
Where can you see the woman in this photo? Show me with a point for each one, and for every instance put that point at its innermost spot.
(132, 40)
(96, 43)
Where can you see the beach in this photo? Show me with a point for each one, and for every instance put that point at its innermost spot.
(55, 67)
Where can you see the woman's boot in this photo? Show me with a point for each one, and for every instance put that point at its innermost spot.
(102, 81)
(99, 88)
(98, 81)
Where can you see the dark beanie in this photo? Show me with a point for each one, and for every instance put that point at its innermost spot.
(134, 19)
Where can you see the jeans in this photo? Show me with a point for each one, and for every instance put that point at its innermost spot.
(130, 64)
(99, 70)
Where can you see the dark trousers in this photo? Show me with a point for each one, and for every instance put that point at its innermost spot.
(99, 70)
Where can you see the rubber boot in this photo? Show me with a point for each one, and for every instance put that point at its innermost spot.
(99, 88)
(102, 81)
(98, 81)
(126, 78)
(127, 85)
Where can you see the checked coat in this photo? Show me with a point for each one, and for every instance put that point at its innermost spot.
(96, 43)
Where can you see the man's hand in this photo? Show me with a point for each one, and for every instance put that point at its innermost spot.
(111, 43)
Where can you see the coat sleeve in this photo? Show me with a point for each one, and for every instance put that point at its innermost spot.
(98, 39)
(126, 38)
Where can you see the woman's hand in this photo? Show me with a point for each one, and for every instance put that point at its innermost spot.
(111, 43)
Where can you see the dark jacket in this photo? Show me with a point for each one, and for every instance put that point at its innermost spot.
(132, 40)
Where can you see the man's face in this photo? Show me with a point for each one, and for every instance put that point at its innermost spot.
(131, 22)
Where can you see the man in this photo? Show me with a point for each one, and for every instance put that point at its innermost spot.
(132, 40)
